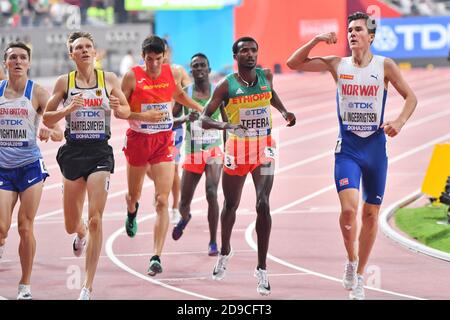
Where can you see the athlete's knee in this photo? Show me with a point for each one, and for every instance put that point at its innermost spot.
(95, 224)
(262, 205)
(211, 194)
(4, 228)
(162, 201)
(370, 217)
(25, 229)
(230, 206)
(348, 213)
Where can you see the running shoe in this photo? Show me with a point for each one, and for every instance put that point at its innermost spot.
(358, 292)
(221, 266)
(155, 266)
(79, 244)
(178, 229)
(175, 215)
(263, 287)
(2, 250)
(24, 292)
(85, 294)
(131, 223)
(350, 279)
(212, 249)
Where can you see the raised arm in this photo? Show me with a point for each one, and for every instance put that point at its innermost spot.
(52, 114)
(301, 61)
(117, 100)
(392, 74)
(276, 102)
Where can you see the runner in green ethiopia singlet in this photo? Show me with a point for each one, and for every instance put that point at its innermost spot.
(198, 139)
(250, 106)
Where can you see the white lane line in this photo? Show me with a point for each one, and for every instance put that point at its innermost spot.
(110, 253)
(148, 254)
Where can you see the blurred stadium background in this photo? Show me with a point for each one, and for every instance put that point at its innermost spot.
(413, 32)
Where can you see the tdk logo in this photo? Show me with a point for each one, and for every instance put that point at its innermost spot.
(426, 36)
(255, 112)
(11, 122)
(88, 113)
(360, 105)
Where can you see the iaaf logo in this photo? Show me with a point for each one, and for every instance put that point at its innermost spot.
(433, 36)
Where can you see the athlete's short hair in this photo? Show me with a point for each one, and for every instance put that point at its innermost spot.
(153, 44)
(243, 39)
(201, 55)
(76, 35)
(370, 22)
(17, 44)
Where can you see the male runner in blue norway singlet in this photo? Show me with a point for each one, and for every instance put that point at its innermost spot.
(362, 80)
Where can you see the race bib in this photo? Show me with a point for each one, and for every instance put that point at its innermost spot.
(200, 135)
(13, 132)
(165, 123)
(86, 124)
(359, 116)
(257, 120)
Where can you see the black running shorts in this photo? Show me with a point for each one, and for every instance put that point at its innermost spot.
(76, 161)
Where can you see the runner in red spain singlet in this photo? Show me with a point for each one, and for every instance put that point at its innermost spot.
(150, 91)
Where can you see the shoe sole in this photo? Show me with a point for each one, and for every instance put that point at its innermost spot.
(130, 233)
(174, 236)
(218, 278)
(263, 292)
(213, 254)
(352, 297)
(153, 272)
(349, 288)
(79, 252)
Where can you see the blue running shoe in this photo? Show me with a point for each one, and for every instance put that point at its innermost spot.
(212, 249)
(178, 229)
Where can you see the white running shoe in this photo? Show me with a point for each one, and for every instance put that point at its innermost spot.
(78, 246)
(350, 279)
(24, 292)
(174, 215)
(85, 294)
(358, 292)
(221, 266)
(2, 249)
(263, 287)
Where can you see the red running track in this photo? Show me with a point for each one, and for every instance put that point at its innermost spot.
(306, 254)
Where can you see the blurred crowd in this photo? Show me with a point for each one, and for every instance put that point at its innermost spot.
(31, 13)
(422, 7)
